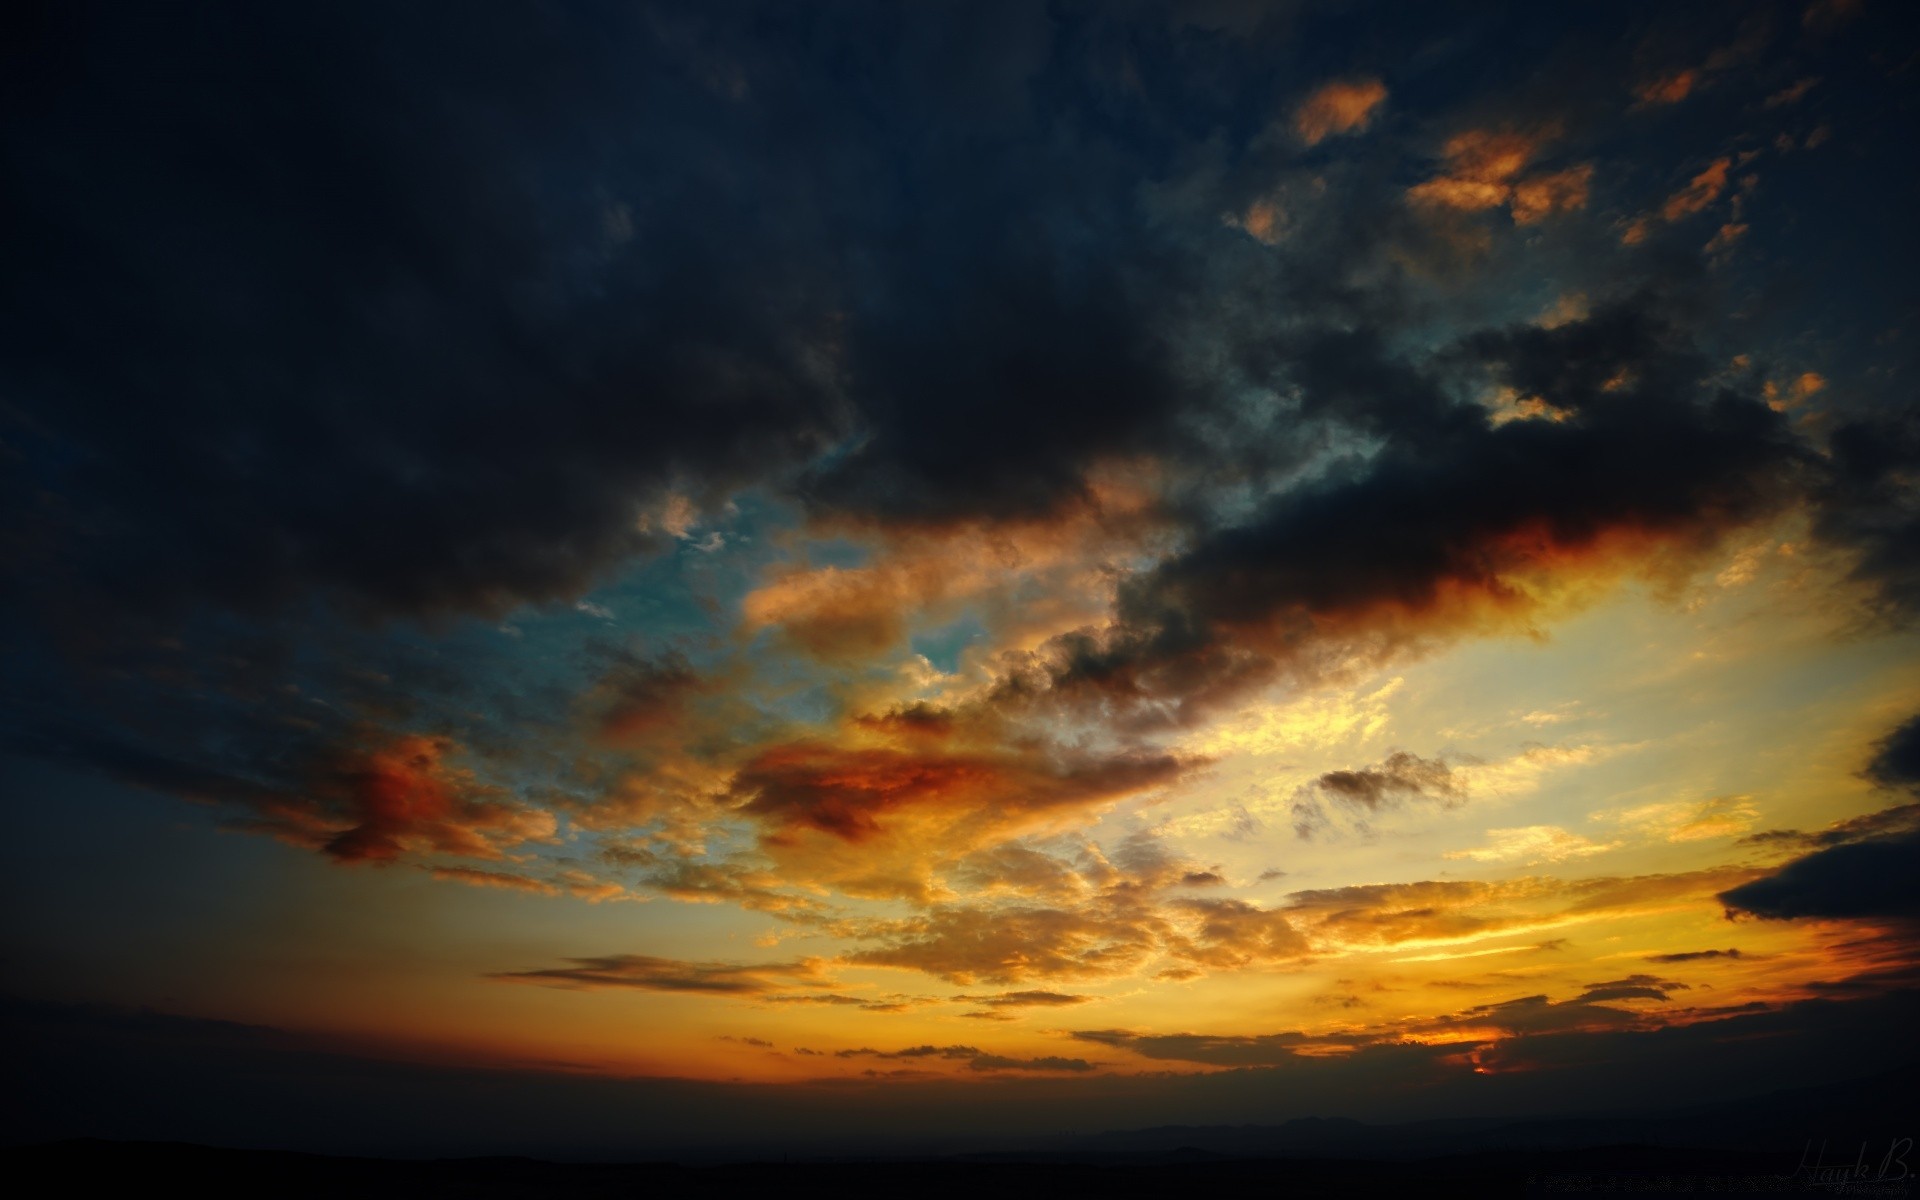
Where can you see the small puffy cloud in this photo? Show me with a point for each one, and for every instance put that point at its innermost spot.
(1702, 190)
(1537, 197)
(1487, 168)
(1340, 107)
(1696, 197)
(1399, 778)
(1670, 88)
(1793, 92)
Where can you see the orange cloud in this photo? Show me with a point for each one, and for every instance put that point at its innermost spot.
(1700, 192)
(1485, 168)
(1668, 89)
(1538, 196)
(1445, 911)
(1343, 106)
(1676, 84)
(1015, 944)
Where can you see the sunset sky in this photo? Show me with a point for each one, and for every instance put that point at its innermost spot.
(1258, 559)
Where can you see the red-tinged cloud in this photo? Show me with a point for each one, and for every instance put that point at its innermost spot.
(406, 797)
(854, 792)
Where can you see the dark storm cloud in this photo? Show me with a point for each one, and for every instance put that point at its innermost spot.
(423, 319)
(1869, 503)
(342, 310)
(1896, 760)
(1864, 867)
(417, 315)
(1876, 878)
(335, 301)
(1442, 530)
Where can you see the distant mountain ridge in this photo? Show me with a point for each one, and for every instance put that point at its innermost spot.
(1876, 1109)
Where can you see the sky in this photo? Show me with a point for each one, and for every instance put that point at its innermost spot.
(958, 567)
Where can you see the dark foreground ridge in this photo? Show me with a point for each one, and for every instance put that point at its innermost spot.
(1855, 1138)
(134, 1168)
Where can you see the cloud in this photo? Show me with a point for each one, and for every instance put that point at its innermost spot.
(852, 792)
(975, 1058)
(1525, 1017)
(1896, 759)
(1702, 190)
(1235, 933)
(1879, 877)
(1693, 956)
(1670, 88)
(1687, 821)
(1456, 526)
(1219, 1050)
(1530, 844)
(1445, 911)
(1013, 944)
(403, 797)
(1342, 106)
(1865, 867)
(1028, 999)
(1793, 93)
(924, 1051)
(1699, 194)
(1050, 1063)
(646, 973)
(1633, 987)
(496, 879)
(1401, 777)
(1675, 84)
(1868, 504)
(1486, 168)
